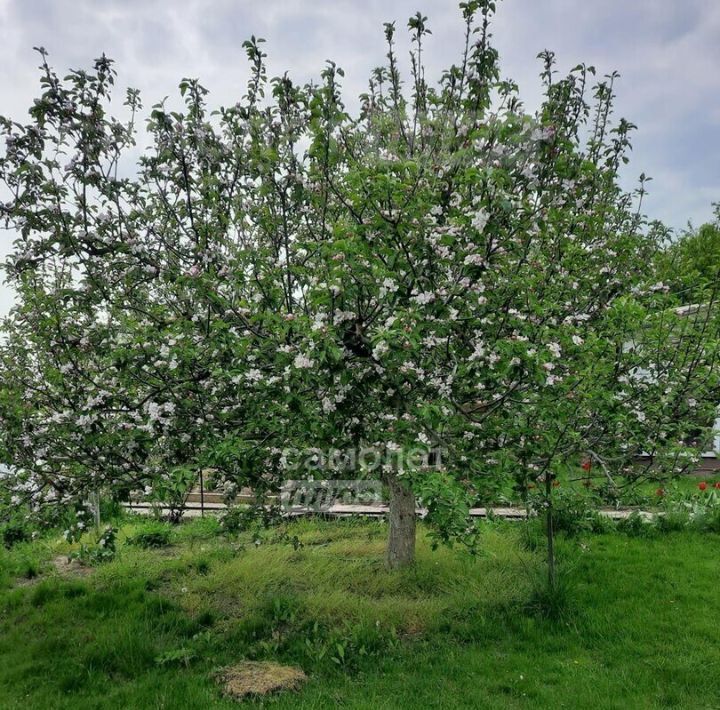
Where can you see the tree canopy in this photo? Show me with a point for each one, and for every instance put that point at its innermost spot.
(691, 264)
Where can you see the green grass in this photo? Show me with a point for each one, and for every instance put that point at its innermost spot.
(149, 629)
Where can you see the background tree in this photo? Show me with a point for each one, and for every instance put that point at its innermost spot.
(690, 265)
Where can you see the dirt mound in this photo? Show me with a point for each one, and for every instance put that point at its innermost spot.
(260, 678)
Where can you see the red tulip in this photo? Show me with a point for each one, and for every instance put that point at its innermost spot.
(717, 484)
(702, 485)
(586, 465)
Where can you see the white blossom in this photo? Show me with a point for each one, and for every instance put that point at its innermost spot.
(424, 297)
(474, 260)
(302, 362)
(480, 220)
(380, 349)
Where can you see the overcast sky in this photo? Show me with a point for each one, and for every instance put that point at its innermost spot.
(668, 53)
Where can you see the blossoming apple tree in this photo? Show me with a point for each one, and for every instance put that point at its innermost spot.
(443, 271)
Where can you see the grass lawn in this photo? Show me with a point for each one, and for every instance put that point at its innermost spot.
(149, 629)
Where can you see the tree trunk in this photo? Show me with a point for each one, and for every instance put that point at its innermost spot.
(550, 531)
(401, 540)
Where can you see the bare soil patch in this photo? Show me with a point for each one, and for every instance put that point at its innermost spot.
(66, 567)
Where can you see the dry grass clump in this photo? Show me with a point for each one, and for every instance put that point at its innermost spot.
(260, 678)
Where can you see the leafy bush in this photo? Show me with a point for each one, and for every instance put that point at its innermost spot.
(111, 508)
(448, 504)
(236, 520)
(14, 532)
(635, 525)
(672, 521)
(154, 534)
(102, 551)
(600, 524)
(574, 511)
(254, 517)
(172, 491)
(709, 520)
(698, 509)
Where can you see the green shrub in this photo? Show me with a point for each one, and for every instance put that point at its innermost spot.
(15, 532)
(574, 512)
(235, 520)
(111, 509)
(172, 490)
(708, 520)
(102, 551)
(698, 509)
(153, 534)
(672, 521)
(635, 525)
(600, 524)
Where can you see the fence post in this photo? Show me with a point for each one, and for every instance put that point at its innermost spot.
(202, 495)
